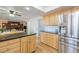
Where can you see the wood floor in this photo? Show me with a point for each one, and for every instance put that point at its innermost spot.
(43, 48)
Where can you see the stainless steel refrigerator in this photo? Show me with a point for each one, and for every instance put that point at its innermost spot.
(69, 33)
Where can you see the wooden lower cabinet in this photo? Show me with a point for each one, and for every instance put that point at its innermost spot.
(49, 39)
(13, 46)
(28, 44)
(24, 45)
(32, 44)
(10, 46)
(3, 47)
(55, 39)
(43, 38)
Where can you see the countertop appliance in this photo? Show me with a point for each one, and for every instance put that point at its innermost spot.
(69, 33)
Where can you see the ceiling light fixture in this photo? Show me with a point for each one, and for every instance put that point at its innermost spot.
(27, 8)
(11, 15)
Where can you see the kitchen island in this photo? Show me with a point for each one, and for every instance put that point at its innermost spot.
(18, 42)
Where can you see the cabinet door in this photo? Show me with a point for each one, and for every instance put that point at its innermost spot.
(13, 46)
(3, 47)
(46, 20)
(24, 44)
(56, 20)
(52, 19)
(43, 38)
(50, 39)
(32, 43)
(55, 41)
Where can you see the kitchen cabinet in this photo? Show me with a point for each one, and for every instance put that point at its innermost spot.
(11, 46)
(31, 44)
(28, 44)
(3, 47)
(43, 37)
(54, 19)
(49, 39)
(46, 20)
(24, 44)
(51, 19)
(55, 41)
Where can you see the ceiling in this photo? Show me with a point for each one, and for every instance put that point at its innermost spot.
(34, 11)
(46, 8)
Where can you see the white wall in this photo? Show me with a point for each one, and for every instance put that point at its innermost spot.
(33, 25)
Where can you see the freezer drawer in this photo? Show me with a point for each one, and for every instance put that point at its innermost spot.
(72, 41)
(67, 48)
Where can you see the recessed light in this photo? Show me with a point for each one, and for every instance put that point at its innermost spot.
(27, 8)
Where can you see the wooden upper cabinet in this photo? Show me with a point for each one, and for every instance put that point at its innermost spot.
(52, 19)
(56, 20)
(46, 20)
(76, 9)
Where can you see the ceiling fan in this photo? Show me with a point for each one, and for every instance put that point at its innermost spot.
(14, 13)
(10, 12)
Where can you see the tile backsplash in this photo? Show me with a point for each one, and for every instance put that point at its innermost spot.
(53, 29)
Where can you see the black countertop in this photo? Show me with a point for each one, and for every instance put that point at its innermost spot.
(14, 36)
